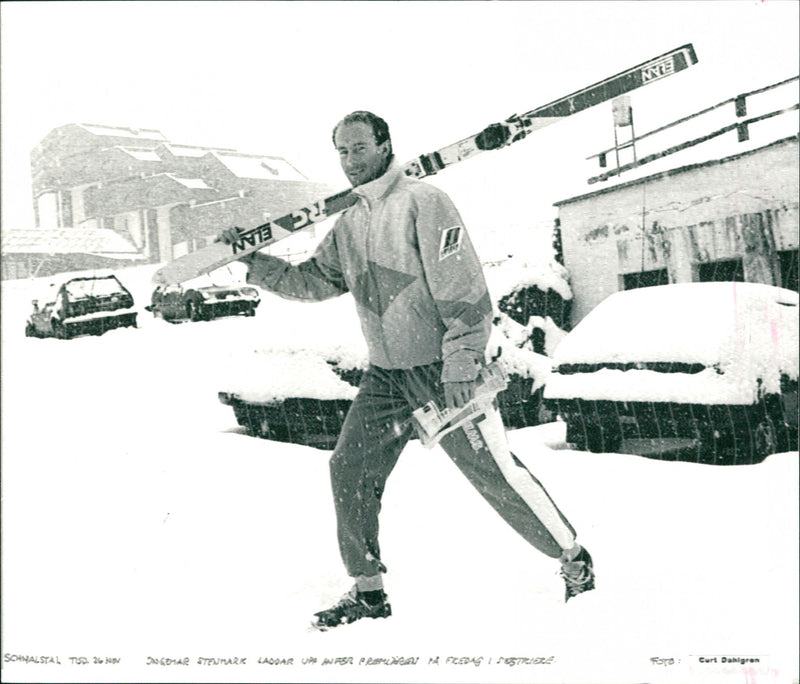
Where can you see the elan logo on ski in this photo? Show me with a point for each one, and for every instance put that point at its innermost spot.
(665, 67)
(451, 242)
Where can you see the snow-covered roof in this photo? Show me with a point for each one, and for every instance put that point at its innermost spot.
(66, 241)
(186, 150)
(264, 168)
(224, 200)
(193, 183)
(122, 132)
(712, 135)
(140, 154)
(667, 172)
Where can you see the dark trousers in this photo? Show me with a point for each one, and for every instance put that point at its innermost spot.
(376, 429)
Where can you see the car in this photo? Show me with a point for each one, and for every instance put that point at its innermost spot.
(177, 303)
(303, 396)
(299, 385)
(83, 306)
(694, 371)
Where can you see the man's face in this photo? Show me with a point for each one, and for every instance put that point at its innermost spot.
(361, 158)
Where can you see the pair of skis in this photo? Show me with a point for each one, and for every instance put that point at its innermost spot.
(493, 137)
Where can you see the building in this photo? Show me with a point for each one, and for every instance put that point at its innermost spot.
(105, 196)
(729, 218)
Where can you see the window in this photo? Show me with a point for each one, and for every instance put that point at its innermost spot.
(788, 262)
(721, 271)
(631, 281)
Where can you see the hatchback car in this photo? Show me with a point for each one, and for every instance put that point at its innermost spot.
(177, 303)
(712, 364)
(83, 306)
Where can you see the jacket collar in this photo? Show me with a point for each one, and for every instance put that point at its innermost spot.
(380, 187)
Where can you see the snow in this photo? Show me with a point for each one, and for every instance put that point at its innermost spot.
(284, 374)
(706, 387)
(96, 315)
(520, 335)
(296, 360)
(141, 523)
(745, 333)
(194, 183)
(259, 167)
(185, 150)
(96, 288)
(517, 273)
(142, 155)
(761, 133)
(145, 134)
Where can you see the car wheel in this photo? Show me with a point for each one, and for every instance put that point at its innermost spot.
(765, 439)
(30, 330)
(193, 310)
(59, 330)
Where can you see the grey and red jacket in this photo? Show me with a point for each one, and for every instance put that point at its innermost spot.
(404, 254)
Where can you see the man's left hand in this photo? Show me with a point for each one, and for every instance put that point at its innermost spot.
(458, 394)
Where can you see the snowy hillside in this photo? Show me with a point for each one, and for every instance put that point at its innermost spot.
(143, 529)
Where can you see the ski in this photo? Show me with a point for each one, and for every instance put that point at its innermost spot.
(493, 137)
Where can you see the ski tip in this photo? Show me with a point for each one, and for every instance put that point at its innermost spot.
(691, 55)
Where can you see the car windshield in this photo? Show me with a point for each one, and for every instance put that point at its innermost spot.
(706, 323)
(100, 287)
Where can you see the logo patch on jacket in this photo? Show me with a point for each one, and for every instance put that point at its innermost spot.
(451, 242)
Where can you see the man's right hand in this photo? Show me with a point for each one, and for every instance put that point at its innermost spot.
(231, 235)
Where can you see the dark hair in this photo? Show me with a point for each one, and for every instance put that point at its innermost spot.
(380, 129)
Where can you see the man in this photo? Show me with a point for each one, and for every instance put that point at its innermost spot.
(425, 311)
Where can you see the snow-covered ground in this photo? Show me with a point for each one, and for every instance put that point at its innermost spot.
(141, 524)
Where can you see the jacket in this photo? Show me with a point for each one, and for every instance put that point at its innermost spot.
(403, 252)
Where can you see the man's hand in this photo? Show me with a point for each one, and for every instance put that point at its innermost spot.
(458, 394)
(231, 235)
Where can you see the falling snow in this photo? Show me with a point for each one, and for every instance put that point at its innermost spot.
(140, 522)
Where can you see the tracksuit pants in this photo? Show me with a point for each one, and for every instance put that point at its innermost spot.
(378, 426)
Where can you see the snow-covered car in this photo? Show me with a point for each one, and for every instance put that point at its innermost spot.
(298, 384)
(179, 303)
(714, 364)
(302, 394)
(83, 306)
